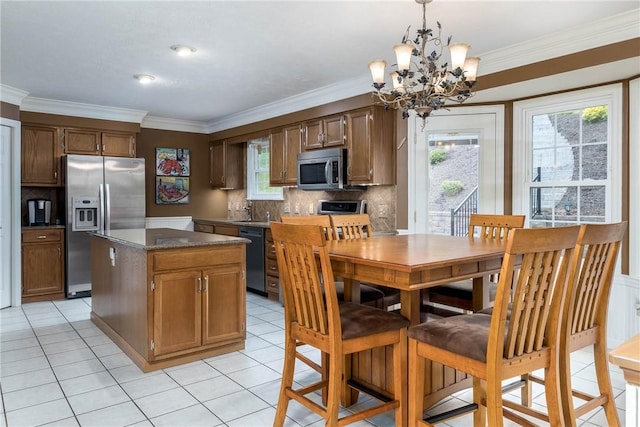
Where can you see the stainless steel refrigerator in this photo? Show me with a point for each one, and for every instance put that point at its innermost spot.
(102, 193)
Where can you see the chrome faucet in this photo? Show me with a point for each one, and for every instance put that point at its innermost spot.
(249, 209)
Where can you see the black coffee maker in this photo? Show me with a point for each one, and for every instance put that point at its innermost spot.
(39, 211)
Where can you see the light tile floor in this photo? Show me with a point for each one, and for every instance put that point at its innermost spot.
(57, 368)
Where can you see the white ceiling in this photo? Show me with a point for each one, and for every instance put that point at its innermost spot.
(254, 57)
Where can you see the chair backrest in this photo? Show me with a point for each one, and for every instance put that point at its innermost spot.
(321, 220)
(591, 275)
(310, 299)
(494, 226)
(532, 279)
(354, 226)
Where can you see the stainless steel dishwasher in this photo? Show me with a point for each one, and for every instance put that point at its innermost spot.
(255, 258)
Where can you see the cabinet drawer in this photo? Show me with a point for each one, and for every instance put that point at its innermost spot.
(38, 236)
(227, 230)
(197, 258)
(273, 284)
(203, 228)
(272, 266)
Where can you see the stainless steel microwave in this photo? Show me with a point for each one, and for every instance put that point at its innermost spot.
(322, 169)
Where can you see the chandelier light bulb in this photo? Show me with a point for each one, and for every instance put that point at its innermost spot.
(403, 55)
(458, 54)
(377, 70)
(471, 68)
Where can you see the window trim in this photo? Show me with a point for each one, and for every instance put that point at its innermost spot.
(523, 111)
(252, 194)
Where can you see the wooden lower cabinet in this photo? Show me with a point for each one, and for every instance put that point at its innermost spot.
(188, 308)
(170, 306)
(42, 264)
(272, 276)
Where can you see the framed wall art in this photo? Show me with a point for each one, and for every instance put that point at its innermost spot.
(172, 176)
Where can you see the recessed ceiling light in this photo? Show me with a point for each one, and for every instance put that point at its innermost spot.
(183, 50)
(144, 78)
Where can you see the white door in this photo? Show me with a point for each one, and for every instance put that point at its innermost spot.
(457, 165)
(5, 217)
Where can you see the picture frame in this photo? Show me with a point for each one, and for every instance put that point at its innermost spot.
(172, 162)
(171, 190)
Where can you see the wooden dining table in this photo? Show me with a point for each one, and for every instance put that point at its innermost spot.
(411, 263)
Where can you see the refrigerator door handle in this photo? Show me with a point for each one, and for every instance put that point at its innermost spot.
(107, 208)
(101, 204)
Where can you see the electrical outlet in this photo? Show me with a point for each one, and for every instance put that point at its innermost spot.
(287, 207)
(237, 206)
(310, 208)
(383, 211)
(297, 208)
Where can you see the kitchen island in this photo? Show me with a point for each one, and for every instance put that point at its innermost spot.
(168, 297)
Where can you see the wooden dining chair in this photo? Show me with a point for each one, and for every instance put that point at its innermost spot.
(584, 322)
(470, 295)
(358, 226)
(314, 316)
(369, 295)
(521, 334)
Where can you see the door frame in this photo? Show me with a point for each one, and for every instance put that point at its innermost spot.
(492, 161)
(13, 209)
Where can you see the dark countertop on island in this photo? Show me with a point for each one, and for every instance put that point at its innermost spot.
(238, 222)
(166, 238)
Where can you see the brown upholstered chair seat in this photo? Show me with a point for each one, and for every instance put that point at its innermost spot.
(360, 320)
(466, 334)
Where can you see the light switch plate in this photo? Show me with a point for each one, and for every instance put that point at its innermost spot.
(287, 207)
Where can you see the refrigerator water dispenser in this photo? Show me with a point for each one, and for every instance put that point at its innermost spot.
(85, 214)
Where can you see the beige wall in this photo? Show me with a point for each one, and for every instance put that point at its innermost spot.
(204, 202)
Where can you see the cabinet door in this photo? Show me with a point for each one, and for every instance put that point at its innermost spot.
(81, 141)
(40, 156)
(360, 167)
(118, 144)
(334, 132)
(276, 157)
(217, 162)
(293, 140)
(223, 304)
(312, 135)
(42, 269)
(177, 311)
(234, 166)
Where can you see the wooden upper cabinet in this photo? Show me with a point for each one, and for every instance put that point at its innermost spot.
(370, 141)
(99, 143)
(40, 160)
(80, 141)
(226, 165)
(117, 144)
(283, 157)
(324, 133)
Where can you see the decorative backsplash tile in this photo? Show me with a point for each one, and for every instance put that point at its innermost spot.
(305, 203)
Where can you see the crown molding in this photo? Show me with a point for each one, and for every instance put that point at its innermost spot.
(612, 29)
(12, 95)
(312, 98)
(154, 122)
(91, 111)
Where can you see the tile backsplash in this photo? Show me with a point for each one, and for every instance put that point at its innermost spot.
(381, 204)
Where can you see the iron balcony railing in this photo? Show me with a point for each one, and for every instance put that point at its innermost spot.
(461, 214)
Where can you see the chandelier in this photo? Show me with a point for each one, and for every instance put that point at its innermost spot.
(420, 82)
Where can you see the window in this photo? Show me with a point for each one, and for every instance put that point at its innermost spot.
(258, 172)
(568, 146)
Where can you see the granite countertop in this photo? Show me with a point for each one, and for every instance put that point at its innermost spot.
(261, 224)
(41, 227)
(166, 238)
